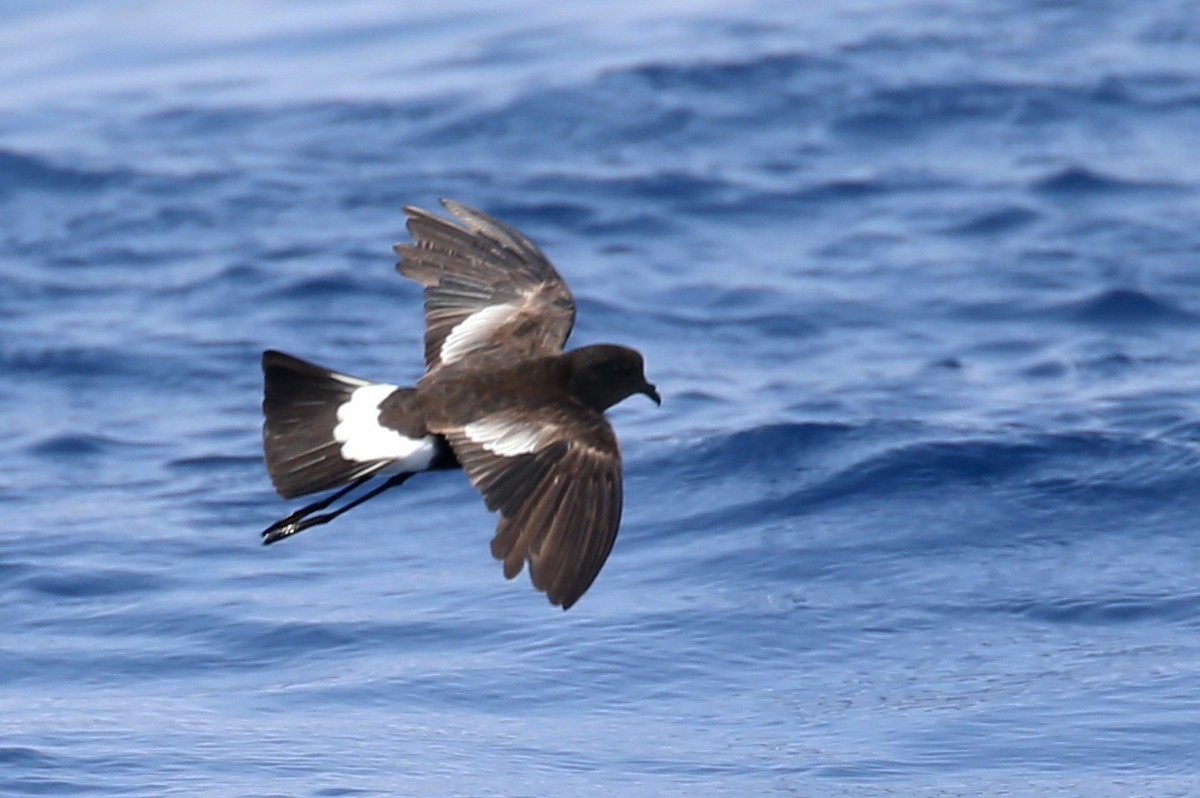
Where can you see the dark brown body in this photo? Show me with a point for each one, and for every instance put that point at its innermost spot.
(500, 399)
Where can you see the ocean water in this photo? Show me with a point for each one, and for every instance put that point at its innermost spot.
(919, 283)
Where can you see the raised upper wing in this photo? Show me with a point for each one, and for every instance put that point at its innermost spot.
(488, 289)
(557, 484)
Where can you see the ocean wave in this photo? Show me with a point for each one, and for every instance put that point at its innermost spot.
(995, 221)
(1104, 610)
(75, 444)
(1103, 307)
(781, 471)
(24, 172)
(72, 361)
(1122, 306)
(1078, 181)
(91, 583)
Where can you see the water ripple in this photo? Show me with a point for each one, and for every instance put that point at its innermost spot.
(21, 172)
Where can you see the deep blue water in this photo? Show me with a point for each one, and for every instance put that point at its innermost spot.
(920, 285)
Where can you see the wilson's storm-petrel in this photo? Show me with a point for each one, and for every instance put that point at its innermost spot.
(499, 399)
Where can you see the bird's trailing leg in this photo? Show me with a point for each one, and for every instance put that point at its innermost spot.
(301, 520)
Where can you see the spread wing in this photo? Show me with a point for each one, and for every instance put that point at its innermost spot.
(556, 482)
(488, 289)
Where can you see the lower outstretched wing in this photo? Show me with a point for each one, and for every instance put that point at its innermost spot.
(556, 483)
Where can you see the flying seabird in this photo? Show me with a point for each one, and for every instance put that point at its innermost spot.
(499, 399)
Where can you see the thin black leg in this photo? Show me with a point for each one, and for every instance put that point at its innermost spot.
(275, 531)
(297, 521)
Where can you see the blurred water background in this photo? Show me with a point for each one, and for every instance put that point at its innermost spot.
(919, 282)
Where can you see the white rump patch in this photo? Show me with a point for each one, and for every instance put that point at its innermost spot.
(365, 440)
(474, 330)
(508, 437)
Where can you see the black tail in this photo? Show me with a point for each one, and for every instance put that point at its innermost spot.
(300, 405)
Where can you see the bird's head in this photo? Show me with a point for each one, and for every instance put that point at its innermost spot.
(604, 374)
